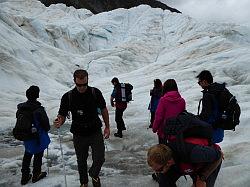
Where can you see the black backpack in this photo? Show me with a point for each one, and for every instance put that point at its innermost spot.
(187, 125)
(25, 129)
(228, 112)
(124, 92)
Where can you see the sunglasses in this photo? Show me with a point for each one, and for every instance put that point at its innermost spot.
(81, 85)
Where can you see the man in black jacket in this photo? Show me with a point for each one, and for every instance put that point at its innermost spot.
(210, 108)
(202, 163)
(35, 146)
(83, 102)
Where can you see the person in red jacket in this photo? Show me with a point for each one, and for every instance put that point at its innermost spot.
(120, 106)
(202, 163)
(170, 105)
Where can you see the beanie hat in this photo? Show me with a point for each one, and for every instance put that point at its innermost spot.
(32, 93)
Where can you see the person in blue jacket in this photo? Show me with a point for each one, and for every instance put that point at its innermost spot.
(155, 94)
(35, 147)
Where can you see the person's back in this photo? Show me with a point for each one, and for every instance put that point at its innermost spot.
(170, 105)
(34, 146)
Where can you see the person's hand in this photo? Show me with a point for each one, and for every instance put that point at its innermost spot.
(58, 121)
(106, 133)
(199, 182)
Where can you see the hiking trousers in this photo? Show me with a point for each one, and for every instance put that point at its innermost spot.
(119, 120)
(37, 163)
(82, 144)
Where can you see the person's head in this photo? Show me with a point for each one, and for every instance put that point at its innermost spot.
(81, 80)
(169, 85)
(115, 81)
(32, 93)
(205, 78)
(157, 83)
(160, 158)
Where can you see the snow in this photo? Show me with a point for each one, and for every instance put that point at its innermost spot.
(44, 46)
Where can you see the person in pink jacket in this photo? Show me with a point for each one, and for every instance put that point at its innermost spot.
(170, 105)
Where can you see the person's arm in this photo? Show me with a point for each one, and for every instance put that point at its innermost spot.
(104, 111)
(105, 117)
(210, 157)
(207, 107)
(112, 97)
(159, 116)
(44, 120)
(63, 111)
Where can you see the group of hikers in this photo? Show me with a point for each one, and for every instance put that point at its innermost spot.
(197, 156)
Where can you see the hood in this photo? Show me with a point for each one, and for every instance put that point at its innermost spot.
(216, 87)
(29, 105)
(172, 96)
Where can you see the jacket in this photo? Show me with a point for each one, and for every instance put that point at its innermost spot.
(170, 105)
(155, 98)
(83, 107)
(210, 110)
(41, 122)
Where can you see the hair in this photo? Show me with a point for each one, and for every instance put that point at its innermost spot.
(115, 80)
(157, 83)
(32, 93)
(205, 75)
(80, 74)
(169, 85)
(159, 154)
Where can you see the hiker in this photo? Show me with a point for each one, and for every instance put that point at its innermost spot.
(83, 102)
(120, 106)
(202, 164)
(155, 94)
(209, 108)
(170, 105)
(34, 147)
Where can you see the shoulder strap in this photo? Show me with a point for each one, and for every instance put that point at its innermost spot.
(93, 92)
(70, 99)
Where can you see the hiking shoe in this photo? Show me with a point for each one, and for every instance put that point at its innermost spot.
(96, 182)
(118, 135)
(155, 177)
(39, 176)
(25, 179)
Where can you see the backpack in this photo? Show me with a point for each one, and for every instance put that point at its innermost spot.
(187, 125)
(25, 128)
(124, 92)
(227, 112)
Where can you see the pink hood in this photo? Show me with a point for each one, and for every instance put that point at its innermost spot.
(170, 105)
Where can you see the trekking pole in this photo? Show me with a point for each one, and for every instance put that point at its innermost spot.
(48, 164)
(106, 147)
(64, 171)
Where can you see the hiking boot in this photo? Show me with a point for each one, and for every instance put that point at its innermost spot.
(118, 135)
(96, 182)
(155, 177)
(37, 177)
(25, 179)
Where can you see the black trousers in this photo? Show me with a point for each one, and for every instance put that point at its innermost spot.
(82, 144)
(119, 120)
(37, 163)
